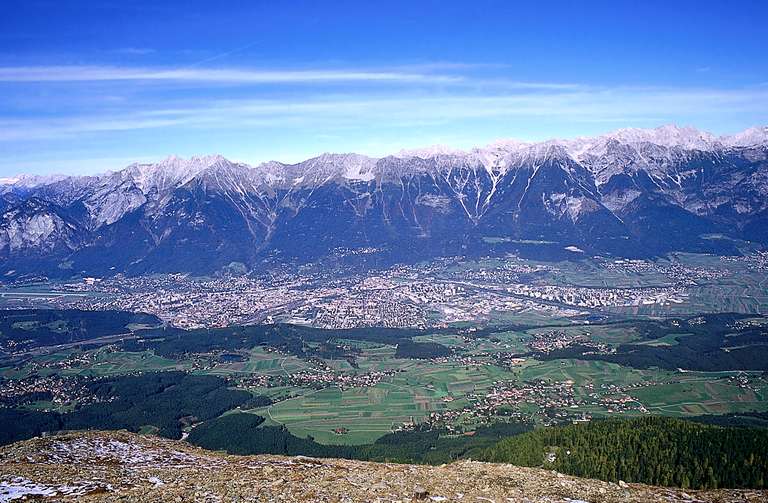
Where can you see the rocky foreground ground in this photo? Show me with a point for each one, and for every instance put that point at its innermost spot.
(120, 466)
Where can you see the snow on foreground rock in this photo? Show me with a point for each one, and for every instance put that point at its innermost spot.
(121, 466)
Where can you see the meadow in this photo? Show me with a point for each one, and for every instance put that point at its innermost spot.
(370, 412)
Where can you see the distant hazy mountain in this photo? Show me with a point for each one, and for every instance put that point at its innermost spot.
(633, 192)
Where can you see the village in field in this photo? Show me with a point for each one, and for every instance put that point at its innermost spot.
(348, 387)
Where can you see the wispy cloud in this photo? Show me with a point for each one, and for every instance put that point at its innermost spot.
(108, 114)
(587, 104)
(435, 73)
(37, 129)
(134, 51)
(620, 104)
(231, 75)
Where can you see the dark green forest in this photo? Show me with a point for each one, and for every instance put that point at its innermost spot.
(701, 350)
(244, 433)
(422, 350)
(30, 328)
(751, 419)
(175, 343)
(165, 401)
(653, 450)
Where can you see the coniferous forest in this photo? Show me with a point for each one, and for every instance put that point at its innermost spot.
(653, 450)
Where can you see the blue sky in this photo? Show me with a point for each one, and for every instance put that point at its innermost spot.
(87, 86)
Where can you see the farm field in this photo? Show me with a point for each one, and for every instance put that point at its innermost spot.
(701, 394)
(369, 413)
(591, 274)
(95, 363)
(340, 390)
(589, 372)
(259, 361)
(613, 334)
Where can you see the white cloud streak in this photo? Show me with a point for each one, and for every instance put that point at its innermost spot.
(419, 95)
(434, 74)
(344, 111)
(209, 75)
(134, 51)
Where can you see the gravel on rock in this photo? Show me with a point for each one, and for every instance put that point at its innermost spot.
(124, 467)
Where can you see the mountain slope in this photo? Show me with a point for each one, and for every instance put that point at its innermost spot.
(118, 466)
(632, 193)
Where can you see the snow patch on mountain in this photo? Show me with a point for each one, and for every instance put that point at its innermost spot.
(30, 181)
(669, 136)
(496, 156)
(428, 152)
(618, 200)
(318, 170)
(748, 138)
(439, 203)
(108, 206)
(170, 172)
(710, 176)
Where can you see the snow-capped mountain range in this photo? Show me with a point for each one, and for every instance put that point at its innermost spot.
(633, 192)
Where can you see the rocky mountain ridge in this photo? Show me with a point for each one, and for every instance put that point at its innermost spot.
(121, 466)
(633, 192)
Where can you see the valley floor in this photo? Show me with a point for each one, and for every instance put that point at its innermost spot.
(121, 466)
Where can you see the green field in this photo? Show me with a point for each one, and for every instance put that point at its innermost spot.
(584, 372)
(702, 394)
(419, 387)
(259, 361)
(594, 274)
(369, 413)
(414, 388)
(667, 340)
(613, 334)
(661, 392)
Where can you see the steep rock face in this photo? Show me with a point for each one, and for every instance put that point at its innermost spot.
(699, 181)
(38, 227)
(631, 193)
(547, 194)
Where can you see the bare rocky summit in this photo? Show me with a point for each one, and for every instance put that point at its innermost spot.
(121, 466)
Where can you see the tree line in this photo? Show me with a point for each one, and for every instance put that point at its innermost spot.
(653, 450)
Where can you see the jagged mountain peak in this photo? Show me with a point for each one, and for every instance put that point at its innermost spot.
(30, 181)
(328, 157)
(195, 160)
(668, 135)
(325, 167)
(171, 171)
(506, 145)
(500, 148)
(429, 151)
(199, 213)
(178, 170)
(349, 166)
(753, 136)
(537, 154)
